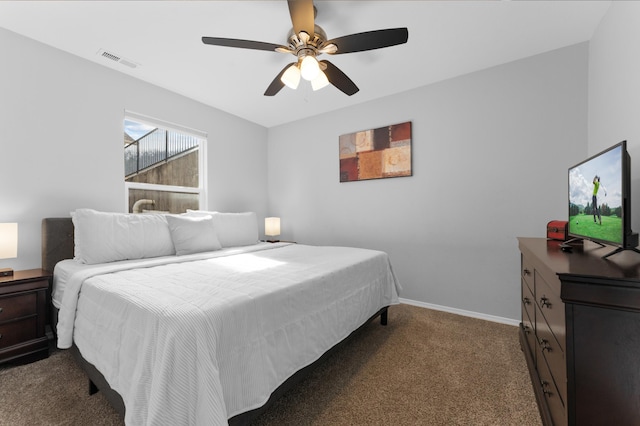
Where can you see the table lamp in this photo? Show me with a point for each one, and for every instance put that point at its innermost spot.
(272, 228)
(8, 245)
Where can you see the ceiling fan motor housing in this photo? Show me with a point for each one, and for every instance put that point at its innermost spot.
(304, 44)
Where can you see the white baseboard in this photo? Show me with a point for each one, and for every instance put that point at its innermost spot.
(462, 312)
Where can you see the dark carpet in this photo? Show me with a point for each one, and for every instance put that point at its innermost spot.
(425, 368)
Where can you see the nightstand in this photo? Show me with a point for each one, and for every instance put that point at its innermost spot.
(23, 306)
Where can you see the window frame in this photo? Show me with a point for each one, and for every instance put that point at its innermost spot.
(201, 190)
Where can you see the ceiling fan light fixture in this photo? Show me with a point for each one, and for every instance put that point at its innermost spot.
(291, 77)
(320, 81)
(306, 40)
(309, 68)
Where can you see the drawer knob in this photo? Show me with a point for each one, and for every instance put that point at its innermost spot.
(544, 302)
(0, 310)
(544, 343)
(526, 271)
(527, 329)
(545, 388)
(526, 301)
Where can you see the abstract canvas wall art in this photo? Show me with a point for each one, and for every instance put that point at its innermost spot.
(375, 154)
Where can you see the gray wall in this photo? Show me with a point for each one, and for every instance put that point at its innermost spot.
(614, 89)
(490, 157)
(61, 127)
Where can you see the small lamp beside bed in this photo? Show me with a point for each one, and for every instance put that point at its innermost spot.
(8, 245)
(272, 228)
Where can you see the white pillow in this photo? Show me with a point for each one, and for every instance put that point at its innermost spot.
(101, 237)
(192, 234)
(233, 229)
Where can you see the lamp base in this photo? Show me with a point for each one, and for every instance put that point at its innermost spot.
(6, 272)
(273, 241)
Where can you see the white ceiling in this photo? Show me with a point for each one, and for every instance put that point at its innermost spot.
(446, 39)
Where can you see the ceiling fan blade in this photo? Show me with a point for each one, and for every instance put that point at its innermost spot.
(339, 79)
(277, 84)
(302, 16)
(370, 40)
(243, 44)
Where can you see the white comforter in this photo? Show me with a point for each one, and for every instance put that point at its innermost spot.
(198, 342)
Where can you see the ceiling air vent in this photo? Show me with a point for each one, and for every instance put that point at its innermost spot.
(116, 58)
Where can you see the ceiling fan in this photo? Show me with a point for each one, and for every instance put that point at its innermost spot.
(307, 41)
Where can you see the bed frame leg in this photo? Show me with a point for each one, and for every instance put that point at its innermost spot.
(93, 389)
(383, 317)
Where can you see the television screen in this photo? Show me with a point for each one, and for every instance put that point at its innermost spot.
(597, 192)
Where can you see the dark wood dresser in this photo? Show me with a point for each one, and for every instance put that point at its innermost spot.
(580, 332)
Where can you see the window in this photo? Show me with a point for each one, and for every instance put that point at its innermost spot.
(163, 166)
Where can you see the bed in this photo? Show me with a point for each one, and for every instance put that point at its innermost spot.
(177, 329)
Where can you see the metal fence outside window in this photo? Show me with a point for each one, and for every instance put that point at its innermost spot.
(156, 147)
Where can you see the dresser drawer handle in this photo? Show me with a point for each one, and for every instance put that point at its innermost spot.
(526, 271)
(526, 301)
(545, 388)
(0, 310)
(527, 329)
(544, 343)
(544, 302)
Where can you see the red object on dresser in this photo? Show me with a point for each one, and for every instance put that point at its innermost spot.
(558, 230)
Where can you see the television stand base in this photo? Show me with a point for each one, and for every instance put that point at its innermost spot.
(578, 242)
(620, 249)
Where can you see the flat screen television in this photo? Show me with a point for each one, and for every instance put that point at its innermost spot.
(600, 199)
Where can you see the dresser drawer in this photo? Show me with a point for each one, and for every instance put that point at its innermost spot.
(552, 308)
(529, 332)
(528, 317)
(22, 305)
(528, 301)
(550, 392)
(18, 332)
(553, 355)
(527, 273)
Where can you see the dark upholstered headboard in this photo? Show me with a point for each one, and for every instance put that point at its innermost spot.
(57, 241)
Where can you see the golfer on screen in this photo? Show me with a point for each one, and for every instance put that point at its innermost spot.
(594, 199)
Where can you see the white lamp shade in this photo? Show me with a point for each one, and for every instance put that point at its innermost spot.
(8, 240)
(291, 77)
(319, 82)
(272, 226)
(309, 68)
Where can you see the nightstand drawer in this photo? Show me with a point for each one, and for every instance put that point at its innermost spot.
(23, 316)
(13, 307)
(18, 331)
